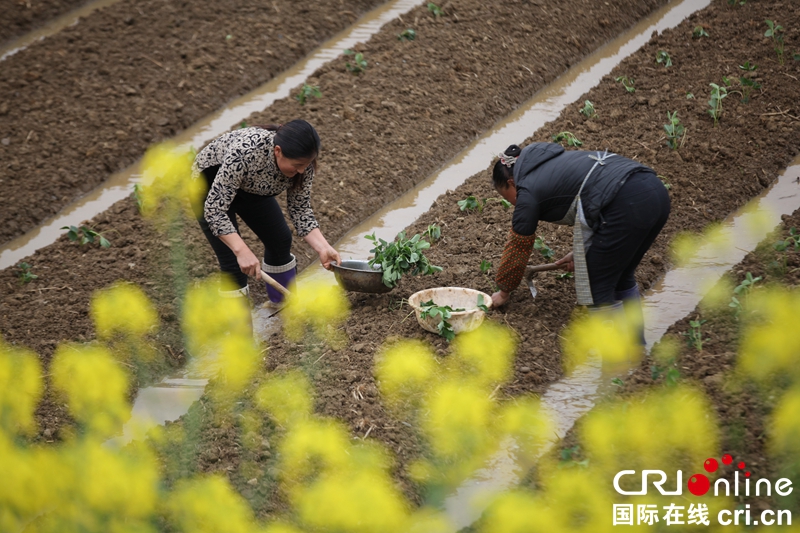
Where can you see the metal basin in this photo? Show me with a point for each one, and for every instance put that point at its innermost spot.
(357, 276)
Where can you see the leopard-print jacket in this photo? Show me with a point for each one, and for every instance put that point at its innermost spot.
(247, 163)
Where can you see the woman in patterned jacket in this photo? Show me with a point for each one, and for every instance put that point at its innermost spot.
(245, 169)
(617, 207)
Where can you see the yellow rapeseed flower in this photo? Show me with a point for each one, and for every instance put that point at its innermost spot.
(209, 505)
(312, 446)
(95, 386)
(770, 343)
(287, 398)
(20, 389)
(315, 304)
(167, 180)
(520, 512)
(404, 371)
(122, 308)
(485, 355)
(237, 362)
(785, 434)
(208, 317)
(607, 335)
(525, 421)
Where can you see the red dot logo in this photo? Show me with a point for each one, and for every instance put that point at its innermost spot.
(727, 459)
(711, 465)
(698, 484)
(741, 465)
(747, 474)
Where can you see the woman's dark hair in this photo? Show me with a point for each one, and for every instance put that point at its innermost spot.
(501, 173)
(298, 140)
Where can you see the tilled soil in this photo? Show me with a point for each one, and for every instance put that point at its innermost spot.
(387, 128)
(21, 16)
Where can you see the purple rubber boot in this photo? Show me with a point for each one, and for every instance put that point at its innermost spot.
(283, 274)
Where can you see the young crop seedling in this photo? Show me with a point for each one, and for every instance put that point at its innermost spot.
(742, 292)
(776, 33)
(663, 58)
(541, 246)
(243, 125)
(400, 257)
(433, 233)
(567, 137)
(626, 82)
(588, 110)
(435, 10)
(698, 32)
(694, 337)
(669, 371)
(674, 129)
(358, 65)
(485, 266)
(407, 35)
(737, 2)
(715, 103)
(307, 92)
(471, 203)
(789, 245)
(137, 195)
(85, 235)
(25, 275)
(666, 182)
(748, 83)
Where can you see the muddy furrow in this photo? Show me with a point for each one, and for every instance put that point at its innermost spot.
(22, 16)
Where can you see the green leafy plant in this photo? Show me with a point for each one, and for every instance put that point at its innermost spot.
(444, 312)
(567, 137)
(407, 35)
(698, 32)
(569, 458)
(618, 382)
(307, 92)
(747, 83)
(565, 275)
(674, 130)
(243, 125)
(689, 96)
(715, 103)
(663, 58)
(542, 248)
(485, 266)
(775, 32)
(626, 82)
(137, 195)
(742, 291)
(400, 257)
(85, 235)
(433, 233)
(665, 181)
(737, 2)
(358, 65)
(436, 10)
(25, 275)
(588, 110)
(669, 370)
(471, 203)
(694, 337)
(788, 245)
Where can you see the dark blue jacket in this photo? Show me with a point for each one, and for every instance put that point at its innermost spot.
(548, 177)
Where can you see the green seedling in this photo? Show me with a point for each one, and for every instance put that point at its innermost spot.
(541, 246)
(674, 130)
(775, 32)
(663, 58)
(566, 275)
(698, 32)
(436, 10)
(694, 337)
(137, 195)
(85, 235)
(689, 96)
(742, 292)
(358, 65)
(25, 275)
(715, 103)
(307, 92)
(588, 110)
(568, 458)
(243, 125)
(796, 56)
(567, 137)
(737, 2)
(471, 203)
(433, 233)
(618, 382)
(626, 82)
(485, 266)
(665, 181)
(669, 371)
(788, 245)
(407, 35)
(444, 312)
(748, 84)
(400, 257)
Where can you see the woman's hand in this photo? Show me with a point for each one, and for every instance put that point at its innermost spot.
(499, 298)
(566, 263)
(321, 246)
(248, 262)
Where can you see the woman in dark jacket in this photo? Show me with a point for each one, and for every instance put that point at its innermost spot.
(244, 170)
(616, 206)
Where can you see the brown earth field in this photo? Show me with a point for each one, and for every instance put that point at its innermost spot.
(416, 105)
(21, 16)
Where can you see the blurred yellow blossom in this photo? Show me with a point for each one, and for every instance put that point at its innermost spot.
(96, 387)
(684, 247)
(287, 397)
(208, 317)
(20, 389)
(526, 421)
(404, 371)
(209, 505)
(122, 308)
(770, 343)
(785, 434)
(167, 180)
(311, 446)
(606, 334)
(315, 304)
(485, 354)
